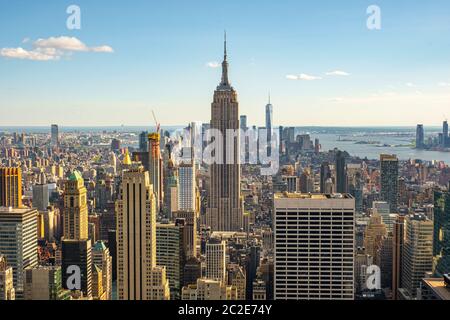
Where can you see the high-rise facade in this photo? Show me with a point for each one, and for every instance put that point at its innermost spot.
(314, 247)
(143, 141)
(75, 208)
(189, 232)
(186, 187)
(269, 126)
(155, 167)
(441, 238)
(54, 140)
(224, 212)
(445, 134)
(389, 180)
(138, 277)
(216, 260)
(78, 253)
(420, 137)
(417, 254)
(398, 241)
(10, 187)
(41, 197)
(170, 254)
(243, 121)
(101, 257)
(325, 174)
(341, 173)
(18, 242)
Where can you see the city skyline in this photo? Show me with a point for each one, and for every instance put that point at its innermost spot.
(319, 57)
(304, 156)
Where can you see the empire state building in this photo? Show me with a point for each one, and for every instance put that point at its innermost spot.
(224, 212)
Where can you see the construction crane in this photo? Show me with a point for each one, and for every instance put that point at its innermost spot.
(157, 124)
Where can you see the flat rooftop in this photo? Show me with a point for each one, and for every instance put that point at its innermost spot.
(312, 196)
(438, 286)
(10, 210)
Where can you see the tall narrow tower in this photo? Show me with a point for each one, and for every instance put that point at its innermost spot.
(224, 211)
(155, 167)
(139, 278)
(75, 208)
(269, 124)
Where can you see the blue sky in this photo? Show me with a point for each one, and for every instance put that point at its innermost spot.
(399, 75)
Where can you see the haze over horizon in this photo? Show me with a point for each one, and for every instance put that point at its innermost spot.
(320, 62)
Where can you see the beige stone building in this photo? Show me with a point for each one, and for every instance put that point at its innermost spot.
(138, 277)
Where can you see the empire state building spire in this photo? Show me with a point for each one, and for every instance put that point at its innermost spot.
(224, 211)
(225, 82)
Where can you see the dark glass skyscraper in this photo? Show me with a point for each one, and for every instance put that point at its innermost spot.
(420, 144)
(389, 180)
(445, 134)
(325, 174)
(341, 174)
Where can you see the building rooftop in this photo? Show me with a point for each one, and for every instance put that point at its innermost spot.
(312, 196)
(75, 176)
(15, 210)
(439, 287)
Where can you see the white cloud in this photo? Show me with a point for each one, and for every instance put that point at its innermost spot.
(52, 48)
(410, 85)
(213, 64)
(20, 53)
(338, 73)
(106, 49)
(302, 76)
(444, 84)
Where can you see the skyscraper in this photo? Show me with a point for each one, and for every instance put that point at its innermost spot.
(224, 212)
(216, 260)
(243, 121)
(190, 232)
(155, 168)
(41, 197)
(77, 253)
(54, 135)
(170, 253)
(398, 240)
(186, 187)
(138, 277)
(420, 136)
(18, 242)
(417, 254)
(325, 174)
(75, 208)
(143, 141)
(441, 238)
(341, 173)
(445, 134)
(389, 180)
(10, 187)
(269, 126)
(314, 247)
(101, 257)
